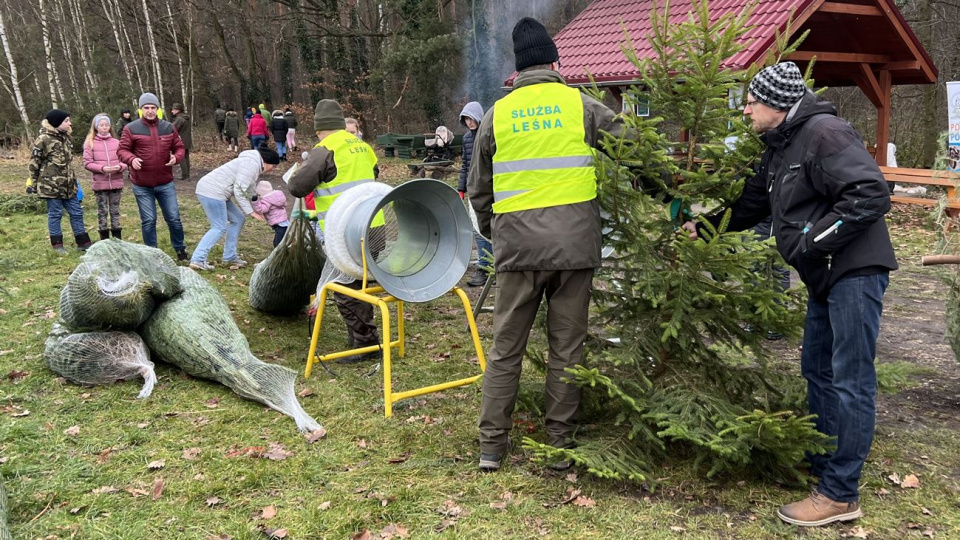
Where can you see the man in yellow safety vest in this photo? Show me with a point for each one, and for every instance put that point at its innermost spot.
(337, 163)
(534, 187)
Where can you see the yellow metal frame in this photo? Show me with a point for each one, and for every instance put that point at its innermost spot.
(373, 296)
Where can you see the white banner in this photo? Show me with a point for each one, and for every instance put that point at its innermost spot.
(953, 137)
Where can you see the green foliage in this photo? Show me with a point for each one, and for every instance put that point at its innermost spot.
(16, 203)
(688, 379)
(893, 377)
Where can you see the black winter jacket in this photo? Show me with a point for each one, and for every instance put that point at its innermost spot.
(278, 126)
(467, 155)
(826, 195)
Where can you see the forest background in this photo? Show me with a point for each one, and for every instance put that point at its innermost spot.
(398, 65)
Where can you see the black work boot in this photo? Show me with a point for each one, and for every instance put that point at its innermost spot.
(116, 233)
(104, 234)
(372, 356)
(83, 241)
(57, 243)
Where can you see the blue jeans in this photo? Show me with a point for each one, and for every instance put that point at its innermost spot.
(147, 200)
(484, 250)
(256, 140)
(839, 347)
(281, 148)
(55, 208)
(225, 219)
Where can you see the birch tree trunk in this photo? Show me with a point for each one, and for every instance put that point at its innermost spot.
(176, 45)
(14, 79)
(52, 77)
(190, 66)
(126, 38)
(67, 53)
(83, 46)
(154, 57)
(114, 21)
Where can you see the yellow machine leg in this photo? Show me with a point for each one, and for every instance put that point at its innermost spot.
(371, 296)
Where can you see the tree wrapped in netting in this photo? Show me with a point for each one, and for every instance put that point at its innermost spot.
(117, 285)
(283, 282)
(4, 511)
(690, 376)
(196, 332)
(92, 358)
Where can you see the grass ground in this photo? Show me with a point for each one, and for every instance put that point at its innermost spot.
(97, 463)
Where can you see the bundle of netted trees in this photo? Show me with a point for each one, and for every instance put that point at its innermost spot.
(125, 300)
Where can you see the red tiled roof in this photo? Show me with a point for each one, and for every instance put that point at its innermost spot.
(592, 40)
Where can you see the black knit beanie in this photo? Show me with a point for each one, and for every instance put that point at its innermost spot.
(779, 86)
(56, 117)
(532, 44)
(269, 156)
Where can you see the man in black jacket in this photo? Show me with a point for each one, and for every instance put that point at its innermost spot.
(827, 198)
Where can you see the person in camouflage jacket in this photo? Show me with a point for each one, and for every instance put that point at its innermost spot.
(53, 179)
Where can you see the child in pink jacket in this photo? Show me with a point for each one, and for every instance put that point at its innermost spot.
(100, 158)
(272, 204)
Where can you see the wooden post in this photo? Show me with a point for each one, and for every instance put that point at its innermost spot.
(883, 116)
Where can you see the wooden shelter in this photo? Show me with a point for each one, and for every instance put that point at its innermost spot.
(866, 43)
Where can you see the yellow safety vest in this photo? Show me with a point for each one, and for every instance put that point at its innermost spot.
(541, 159)
(354, 160)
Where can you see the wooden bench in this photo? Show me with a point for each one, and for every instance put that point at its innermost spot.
(926, 177)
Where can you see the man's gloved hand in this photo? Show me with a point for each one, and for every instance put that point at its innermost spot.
(30, 189)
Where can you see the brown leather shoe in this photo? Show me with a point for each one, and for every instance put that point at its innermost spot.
(817, 510)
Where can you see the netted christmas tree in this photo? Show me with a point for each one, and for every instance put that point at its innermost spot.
(689, 376)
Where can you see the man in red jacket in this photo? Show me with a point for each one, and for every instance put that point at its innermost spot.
(151, 147)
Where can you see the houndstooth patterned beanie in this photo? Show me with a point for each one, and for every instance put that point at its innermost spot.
(779, 86)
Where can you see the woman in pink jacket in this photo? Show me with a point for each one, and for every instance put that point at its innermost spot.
(100, 158)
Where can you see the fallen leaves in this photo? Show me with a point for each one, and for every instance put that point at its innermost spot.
(104, 489)
(213, 501)
(910, 481)
(306, 392)
(72, 431)
(212, 403)
(191, 454)
(573, 496)
(157, 464)
(268, 512)
(316, 435)
(325, 505)
(277, 452)
(393, 530)
(158, 485)
(15, 375)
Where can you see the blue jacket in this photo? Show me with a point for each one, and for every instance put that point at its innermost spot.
(475, 111)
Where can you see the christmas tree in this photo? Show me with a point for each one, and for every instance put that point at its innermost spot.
(689, 374)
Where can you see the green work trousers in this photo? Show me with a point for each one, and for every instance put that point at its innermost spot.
(568, 299)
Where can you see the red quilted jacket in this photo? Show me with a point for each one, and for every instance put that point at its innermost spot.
(152, 142)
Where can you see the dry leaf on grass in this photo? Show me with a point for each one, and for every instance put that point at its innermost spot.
(277, 452)
(212, 403)
(275, 533)
(268, 512)
(325, 505)
(362, 535)
(158, 486)
(315, 435)
(158, 464)
(213, 501)
(306, 392)
(136, 492)
(72, 431)
(105, 489)
(394, 530)
(910, 481)
(895, 478)
(857, 532)
(191, 454)
(585, 502)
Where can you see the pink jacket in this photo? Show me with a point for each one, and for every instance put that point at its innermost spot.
(273, 206)
(103, 154)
